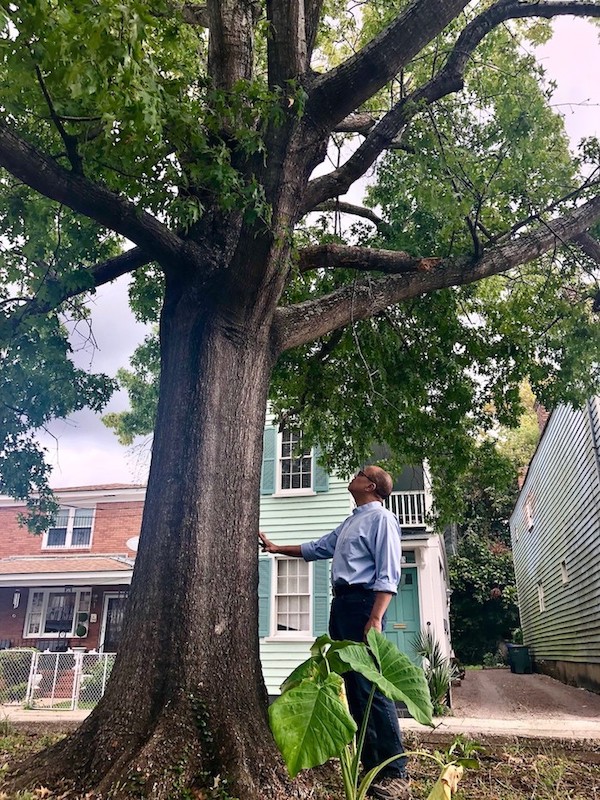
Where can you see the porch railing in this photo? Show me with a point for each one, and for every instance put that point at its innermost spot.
(409, 507)
(61, 681)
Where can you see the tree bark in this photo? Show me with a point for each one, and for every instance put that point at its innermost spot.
(186, 704)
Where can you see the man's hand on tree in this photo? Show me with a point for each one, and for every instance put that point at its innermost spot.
(265, 544)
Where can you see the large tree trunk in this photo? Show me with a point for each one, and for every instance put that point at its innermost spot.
(186, 704)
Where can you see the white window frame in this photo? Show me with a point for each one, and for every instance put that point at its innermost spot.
(299, 636)
(47, 591)
(68, 545)
(281, 492)
(541, 597)
(529, 511)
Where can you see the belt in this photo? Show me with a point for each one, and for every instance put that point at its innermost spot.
(350, 588)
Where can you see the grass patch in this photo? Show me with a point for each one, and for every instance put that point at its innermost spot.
(520, 770)
(523, 770)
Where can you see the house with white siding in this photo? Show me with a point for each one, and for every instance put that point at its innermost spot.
(300, 502)
(555, 530)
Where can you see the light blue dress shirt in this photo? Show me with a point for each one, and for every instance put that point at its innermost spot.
(365, 549)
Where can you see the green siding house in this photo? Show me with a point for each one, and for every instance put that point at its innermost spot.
(555, 531)
(300, 502)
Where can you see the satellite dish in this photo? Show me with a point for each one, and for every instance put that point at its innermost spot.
(132, 543)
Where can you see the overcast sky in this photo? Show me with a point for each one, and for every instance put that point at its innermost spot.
(84, 452)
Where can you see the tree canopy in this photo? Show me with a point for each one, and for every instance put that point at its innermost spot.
(468, 173)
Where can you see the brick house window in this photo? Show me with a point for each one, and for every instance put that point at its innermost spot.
(57, 612)
(71, 528)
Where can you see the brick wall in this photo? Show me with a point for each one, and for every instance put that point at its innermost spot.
(114, 525)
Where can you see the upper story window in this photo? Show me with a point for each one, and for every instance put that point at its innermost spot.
(72, 528)
(295, 462)
(289, 467)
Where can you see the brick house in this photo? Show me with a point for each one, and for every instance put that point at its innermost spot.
(68, 587)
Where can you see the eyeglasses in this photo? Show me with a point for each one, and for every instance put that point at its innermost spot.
(364, 475)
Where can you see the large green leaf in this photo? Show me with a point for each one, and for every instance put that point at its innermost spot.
(311, 724)
(308, 669)
(390, 670)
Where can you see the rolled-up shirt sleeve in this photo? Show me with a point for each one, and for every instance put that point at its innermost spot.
(387, 555)
(320, 548)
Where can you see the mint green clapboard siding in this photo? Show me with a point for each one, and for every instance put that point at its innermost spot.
(563, 479)
(293, 520)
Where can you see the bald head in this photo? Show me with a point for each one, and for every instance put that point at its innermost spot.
(382, 480)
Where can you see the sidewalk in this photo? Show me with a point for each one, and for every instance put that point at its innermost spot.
(574, 728)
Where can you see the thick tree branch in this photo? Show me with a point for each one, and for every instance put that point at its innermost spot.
(305, 322)
(101, 273)
(386, 134)
(589, 245)
(195, 15)
(339, 92)
(349, 208)
(312, 14)
(361, 122)
(82, 195)
(286, 43)
(382, 136)
(365, 259)
(231, 41)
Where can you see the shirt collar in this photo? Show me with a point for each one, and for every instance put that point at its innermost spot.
(366, 507)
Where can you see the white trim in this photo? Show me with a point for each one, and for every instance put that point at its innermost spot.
(294, 493)
(289, 636)
(107, 596)
(68, 545)
(301, 491)
(85, 495)
(47, 591)
(51, 579)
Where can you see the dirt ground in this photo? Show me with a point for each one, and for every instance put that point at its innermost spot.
(500, 694)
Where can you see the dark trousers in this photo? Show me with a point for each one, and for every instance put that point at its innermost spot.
(349, 615)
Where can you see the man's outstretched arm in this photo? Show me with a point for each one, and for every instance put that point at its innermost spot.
(293, 550)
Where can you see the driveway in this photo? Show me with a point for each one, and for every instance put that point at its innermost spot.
(499, 694)
(497, 702)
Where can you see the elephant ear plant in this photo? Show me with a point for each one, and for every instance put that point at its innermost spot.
(311, 722)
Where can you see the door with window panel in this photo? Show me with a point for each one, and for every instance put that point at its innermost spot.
(292, 597)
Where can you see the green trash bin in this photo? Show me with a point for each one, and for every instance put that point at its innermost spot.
(519, 659)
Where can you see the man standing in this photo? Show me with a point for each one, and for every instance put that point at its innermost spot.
(365, 573)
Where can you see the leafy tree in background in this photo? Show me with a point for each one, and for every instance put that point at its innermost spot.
(484, 610)
(518, 443)
(192, 131)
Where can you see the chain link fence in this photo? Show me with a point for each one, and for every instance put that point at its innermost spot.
(66, 681)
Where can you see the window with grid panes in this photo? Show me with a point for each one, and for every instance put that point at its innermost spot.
(53, 612)
(292, 596)
(72, 528)
(295, 463)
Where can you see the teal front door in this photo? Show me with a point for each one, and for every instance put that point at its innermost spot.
(403, 614)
